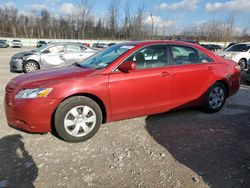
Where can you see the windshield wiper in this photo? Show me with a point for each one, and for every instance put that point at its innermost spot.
(77, 64)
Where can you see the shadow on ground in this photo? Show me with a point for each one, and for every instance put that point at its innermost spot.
(215, 146)
(245, 78)
(17, 168)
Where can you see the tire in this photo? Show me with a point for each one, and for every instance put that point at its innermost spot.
(72, 124)
(242, 63)
(30, 66)
(214, 98)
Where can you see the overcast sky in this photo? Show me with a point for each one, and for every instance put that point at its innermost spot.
(181, 13)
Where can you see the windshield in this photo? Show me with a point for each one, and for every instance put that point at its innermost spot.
(238, 48)
(105, 57)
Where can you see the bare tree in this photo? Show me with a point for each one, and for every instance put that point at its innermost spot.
(84, 12)
(113, 17)
(138, 23)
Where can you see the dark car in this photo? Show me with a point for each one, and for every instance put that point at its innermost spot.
(193, 41)
(41, 43)
(212, 47)
(4, 44)
(123, 81)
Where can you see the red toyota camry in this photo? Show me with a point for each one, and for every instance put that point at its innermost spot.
(124, 81)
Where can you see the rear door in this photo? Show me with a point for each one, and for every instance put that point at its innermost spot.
(192, 74)
(143, 91)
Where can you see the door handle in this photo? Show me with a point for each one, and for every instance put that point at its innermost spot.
(165, 74)
(210, 68)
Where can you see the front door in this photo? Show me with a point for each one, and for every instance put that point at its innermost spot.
(146, 90)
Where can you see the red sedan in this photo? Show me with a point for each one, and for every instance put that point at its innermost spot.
(124, 81)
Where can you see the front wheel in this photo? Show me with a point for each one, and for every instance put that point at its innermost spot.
(77, 119)
(242, 63)
(30, 66)
(215, 98)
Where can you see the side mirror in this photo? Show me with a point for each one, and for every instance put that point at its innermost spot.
(46, 51)
(127, 66)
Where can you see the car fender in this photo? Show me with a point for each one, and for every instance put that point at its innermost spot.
(33, 57)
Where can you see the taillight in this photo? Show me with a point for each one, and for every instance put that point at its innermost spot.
(237, 67)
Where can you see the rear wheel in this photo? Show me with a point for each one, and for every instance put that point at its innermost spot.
(242, 63)
(77, 119)
(30, 66)
(215, 98)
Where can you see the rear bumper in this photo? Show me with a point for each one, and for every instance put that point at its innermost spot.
(30, 115)
(234, 84)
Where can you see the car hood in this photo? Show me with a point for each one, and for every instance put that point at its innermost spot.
(23, 54)
(52, 75)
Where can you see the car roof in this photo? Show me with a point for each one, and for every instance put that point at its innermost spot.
(153, 42)
(248, 43)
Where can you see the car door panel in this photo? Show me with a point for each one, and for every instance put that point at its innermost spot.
(140, 92)
(192, 74)
(52, 60)
(190, 82)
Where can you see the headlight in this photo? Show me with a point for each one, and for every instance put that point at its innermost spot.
(33, 93)
(231, 56)
(19, 60)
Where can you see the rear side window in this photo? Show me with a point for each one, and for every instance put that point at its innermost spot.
(239, 48)
(187, 55)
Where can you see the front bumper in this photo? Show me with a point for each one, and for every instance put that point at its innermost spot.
(29, 115)
(16, 66)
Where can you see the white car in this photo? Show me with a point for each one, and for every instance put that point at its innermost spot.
(239, 53)
(16, 44)
(51, 56)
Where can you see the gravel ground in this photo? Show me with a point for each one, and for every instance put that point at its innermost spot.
(186, 148)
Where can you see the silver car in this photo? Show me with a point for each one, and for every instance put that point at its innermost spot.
(53, 55)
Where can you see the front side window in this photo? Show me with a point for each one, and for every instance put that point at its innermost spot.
(187, 55)
(73, 48)
(150, 57)
(56, 49)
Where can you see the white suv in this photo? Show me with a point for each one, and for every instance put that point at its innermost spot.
(239, 53)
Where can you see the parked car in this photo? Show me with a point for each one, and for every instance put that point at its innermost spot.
(99, 45)
(111, 44)
(41, 43)
(212, 47)
(53, 55)
(4, 43)
(124, 81)
(85, 44)
(16, 43)
(193, 41)
(239, 53)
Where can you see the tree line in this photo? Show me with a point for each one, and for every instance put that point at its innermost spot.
(83, 24)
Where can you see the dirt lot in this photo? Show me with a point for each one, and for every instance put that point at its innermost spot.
(185, 148)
